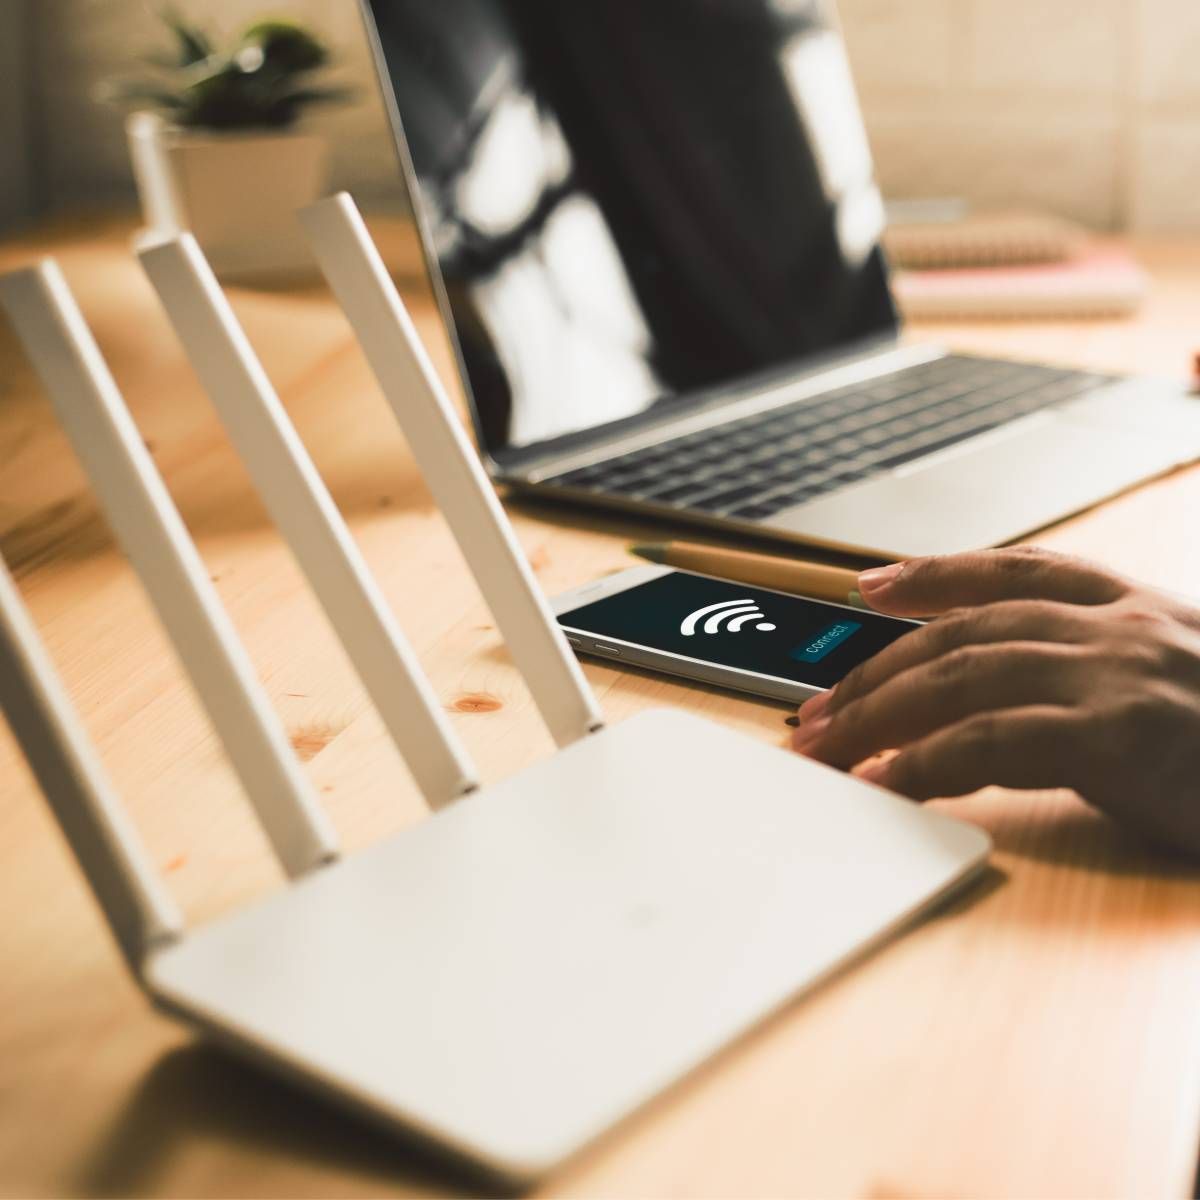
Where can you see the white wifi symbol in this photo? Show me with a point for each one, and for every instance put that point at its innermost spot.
(736, 612)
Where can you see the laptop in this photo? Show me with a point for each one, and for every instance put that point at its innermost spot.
(653, 230)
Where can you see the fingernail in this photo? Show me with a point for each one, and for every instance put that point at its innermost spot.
(875, 772)
(813, 707)
(806, 736)
(878, 578)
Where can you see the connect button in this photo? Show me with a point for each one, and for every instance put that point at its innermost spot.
(828, 639)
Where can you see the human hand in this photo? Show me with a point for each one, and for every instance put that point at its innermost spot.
(1040, 671)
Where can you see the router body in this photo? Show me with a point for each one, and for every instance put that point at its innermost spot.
(534, 961)
(519, 972)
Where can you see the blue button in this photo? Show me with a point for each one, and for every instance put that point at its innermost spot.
(825, 641)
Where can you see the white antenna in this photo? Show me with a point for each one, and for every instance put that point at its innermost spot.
(153, 535)
(141, 914)
(352, 264)
(556, 928)
(300, 505)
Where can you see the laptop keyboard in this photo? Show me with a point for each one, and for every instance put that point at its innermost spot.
(756, 466)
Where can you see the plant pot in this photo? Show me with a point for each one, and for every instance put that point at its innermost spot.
(238, 193)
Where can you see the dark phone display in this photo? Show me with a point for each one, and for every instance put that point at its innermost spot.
(738, 626)
(634, 203)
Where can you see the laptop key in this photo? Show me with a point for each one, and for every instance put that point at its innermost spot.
(581, 475)
(767, 461)
(920, 448)
(753, 512)
(641, 482)
(677, 494)
(782, 500)
(729, 498)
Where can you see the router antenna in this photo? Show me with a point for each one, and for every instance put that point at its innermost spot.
(462, 491)
(134, 902)
(153, 535)
(300, 505)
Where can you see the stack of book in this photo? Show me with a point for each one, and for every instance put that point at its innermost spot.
(952, 264)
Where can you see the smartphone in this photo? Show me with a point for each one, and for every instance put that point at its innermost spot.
(748, 638)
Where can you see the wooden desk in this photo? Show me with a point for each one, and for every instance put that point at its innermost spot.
(1040, 1039)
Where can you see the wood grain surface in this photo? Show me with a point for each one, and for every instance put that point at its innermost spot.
(1039, 1038)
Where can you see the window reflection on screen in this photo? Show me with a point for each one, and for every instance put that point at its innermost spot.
(634, 202)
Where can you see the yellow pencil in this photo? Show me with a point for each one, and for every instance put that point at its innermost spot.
(817, 580)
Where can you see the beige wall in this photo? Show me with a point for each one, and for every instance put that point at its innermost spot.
(1087, 107)
(81, 42)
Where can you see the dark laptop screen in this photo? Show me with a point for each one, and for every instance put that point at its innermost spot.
(634, 201)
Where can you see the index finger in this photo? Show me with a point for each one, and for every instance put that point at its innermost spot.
(923, 587)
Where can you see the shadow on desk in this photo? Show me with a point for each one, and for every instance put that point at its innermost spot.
(198, 1094)
(1059, 829)
(646, 527)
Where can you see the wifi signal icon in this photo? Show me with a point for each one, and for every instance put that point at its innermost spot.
(731, 613)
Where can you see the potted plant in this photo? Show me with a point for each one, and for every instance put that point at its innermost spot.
(215, 146)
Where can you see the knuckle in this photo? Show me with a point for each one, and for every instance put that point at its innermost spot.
(907, 775)
(1150, 641)
(1043, 611)
(1006, 619)
(851, 686)
(918, 572)
(1034, 554)
(841, 727)
(954, 666)
(844, 740)
(980, 734)
(952, 620)
(1024, 561)
(949, 766)
(1141, 656)
(1142, 717)
(953, 629)
(1141, 614)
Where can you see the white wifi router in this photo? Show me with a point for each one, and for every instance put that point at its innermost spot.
(538, 959)
(732, 615)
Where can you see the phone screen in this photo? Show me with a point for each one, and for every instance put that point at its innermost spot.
(742, 627)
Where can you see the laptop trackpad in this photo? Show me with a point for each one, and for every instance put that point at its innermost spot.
(986, 493)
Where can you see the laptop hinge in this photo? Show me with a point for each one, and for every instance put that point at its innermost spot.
(722, 411)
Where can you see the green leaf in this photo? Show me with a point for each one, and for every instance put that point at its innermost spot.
(286, 45)
(254, 83)
(194, 44)
(321, 95)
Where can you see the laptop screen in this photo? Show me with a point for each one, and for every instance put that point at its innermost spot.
(634, 204)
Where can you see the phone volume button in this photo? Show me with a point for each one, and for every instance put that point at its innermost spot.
(574, 641)
(611, 651)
